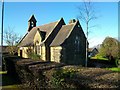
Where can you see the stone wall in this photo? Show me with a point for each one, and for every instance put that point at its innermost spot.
(56, 54)
(24, 51)
(43, 53)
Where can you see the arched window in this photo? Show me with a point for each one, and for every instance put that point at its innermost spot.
(32, 24)
(77, 43)
(37, 48)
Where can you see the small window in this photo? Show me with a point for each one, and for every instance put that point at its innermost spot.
(76, 37)
(38, 49)
(32, 24)
(78, 25)
(75, 42)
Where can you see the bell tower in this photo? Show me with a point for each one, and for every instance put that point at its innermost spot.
(31, 23)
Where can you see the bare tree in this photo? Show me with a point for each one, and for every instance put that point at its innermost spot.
(87, 14)
(11, 39)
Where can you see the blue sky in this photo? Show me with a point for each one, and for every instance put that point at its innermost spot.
(16, 16)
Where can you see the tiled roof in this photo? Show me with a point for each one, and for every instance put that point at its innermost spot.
(62, 34)
(28, 39)
(47, 28)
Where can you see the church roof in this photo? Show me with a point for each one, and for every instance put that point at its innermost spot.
(63, 34)
(29, 37)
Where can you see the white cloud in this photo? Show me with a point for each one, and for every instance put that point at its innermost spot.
(95, 41)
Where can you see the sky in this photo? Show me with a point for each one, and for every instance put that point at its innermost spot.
(17, 14)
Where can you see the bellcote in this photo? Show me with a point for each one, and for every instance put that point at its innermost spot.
(31, 22)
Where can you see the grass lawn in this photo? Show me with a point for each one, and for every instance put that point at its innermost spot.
(116, 69)
(99, 58)
(3, 72)
(10, 87)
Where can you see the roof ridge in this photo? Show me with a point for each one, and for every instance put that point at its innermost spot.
(69, 24)
(47, 24)
(66, 29)
(72, 28)
(51, 31)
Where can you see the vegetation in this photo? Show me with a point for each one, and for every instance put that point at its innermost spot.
(110, 50)
(87, 15)
(10, 87)
(116, 69)
(32, 55)
(60, 77)
(11, 39)
(46, 75)
(117, 62)
(42, 76)
(3, 72)
(12, 50)
(3, 64)
(7, 81)
(99, 58)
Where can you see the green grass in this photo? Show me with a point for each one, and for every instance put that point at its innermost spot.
(3, 72)
(99, 58)
(10, 87)
(115, 69)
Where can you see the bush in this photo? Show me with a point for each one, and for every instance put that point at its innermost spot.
(33, 75)
(117, 62)
(32, 55)
(60, 78)
(3, 64)
(35, 56)
(29, 79)
(12, 50)
(10, 65)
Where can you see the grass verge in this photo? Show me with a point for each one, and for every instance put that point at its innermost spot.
(10, 87)
(99, 58)
(115, 69)
(3, 72)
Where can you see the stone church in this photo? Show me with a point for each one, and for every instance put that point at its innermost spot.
(55, 41)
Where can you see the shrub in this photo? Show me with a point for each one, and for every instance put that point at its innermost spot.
(3, 64)
(30, 78)
(12, 50)
(117, 62)
(60, 78)
(34, 56)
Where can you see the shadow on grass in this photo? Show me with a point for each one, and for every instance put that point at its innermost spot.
(101, 63)
(9, 80)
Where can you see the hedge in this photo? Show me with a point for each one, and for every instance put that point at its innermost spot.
(38, 74)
